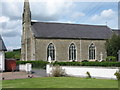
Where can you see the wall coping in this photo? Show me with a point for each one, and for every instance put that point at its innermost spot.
(94, 67)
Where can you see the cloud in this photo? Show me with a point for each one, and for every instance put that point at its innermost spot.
(62, 21)
(9, 33)
(10, 28)
(77, 15)
(51, 10)
(105, 14)
(4, 19)
(12, 10)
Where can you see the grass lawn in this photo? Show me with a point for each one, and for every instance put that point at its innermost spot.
(60, 82)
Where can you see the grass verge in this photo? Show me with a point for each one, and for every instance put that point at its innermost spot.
(60, 82)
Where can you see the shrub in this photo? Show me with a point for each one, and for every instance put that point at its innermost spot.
(117, 74)
(88, 75)
(111, 58)
(35, 64)
(103, 64)
(57, 71)
(67, 63)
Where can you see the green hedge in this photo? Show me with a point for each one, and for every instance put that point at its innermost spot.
(111, 58)
(103, 64)
(35, 64)
(42, 64)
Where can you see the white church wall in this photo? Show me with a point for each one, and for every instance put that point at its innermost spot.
(80, 71)
(2, 61)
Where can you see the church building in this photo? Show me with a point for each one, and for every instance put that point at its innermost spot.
(62, 41)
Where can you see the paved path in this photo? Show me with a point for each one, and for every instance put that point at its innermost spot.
(39, 72)
(22, 75)
(15, 75)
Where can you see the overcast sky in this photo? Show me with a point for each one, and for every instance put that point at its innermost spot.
(93, 13)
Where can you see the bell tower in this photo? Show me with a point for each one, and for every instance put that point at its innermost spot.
(26, 24)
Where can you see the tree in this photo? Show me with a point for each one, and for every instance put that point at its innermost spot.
(15, 54)
(9, 55)
(113, 45)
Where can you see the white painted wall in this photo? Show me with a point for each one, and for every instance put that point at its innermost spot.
(25, 67)
(2, 61)
(80, 71)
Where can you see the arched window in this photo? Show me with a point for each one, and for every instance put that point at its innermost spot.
(92, 51)
(51, 51)
(72, 52)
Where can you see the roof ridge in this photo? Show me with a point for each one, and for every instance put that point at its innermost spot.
(69, 24)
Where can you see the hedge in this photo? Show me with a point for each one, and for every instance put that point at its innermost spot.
(35, 64)
(111, 58)
(103, 64)
(42, 64)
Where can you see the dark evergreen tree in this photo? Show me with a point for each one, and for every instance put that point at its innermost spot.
(113, 45)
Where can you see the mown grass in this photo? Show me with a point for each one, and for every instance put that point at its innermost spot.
(60, 82)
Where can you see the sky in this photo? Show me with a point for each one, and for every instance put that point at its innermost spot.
(93, 12)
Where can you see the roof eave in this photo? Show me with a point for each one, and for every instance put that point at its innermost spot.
(71, 38)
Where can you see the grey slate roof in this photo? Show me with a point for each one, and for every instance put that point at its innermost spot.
(2, 45)
(64, 30)
(116, 31)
